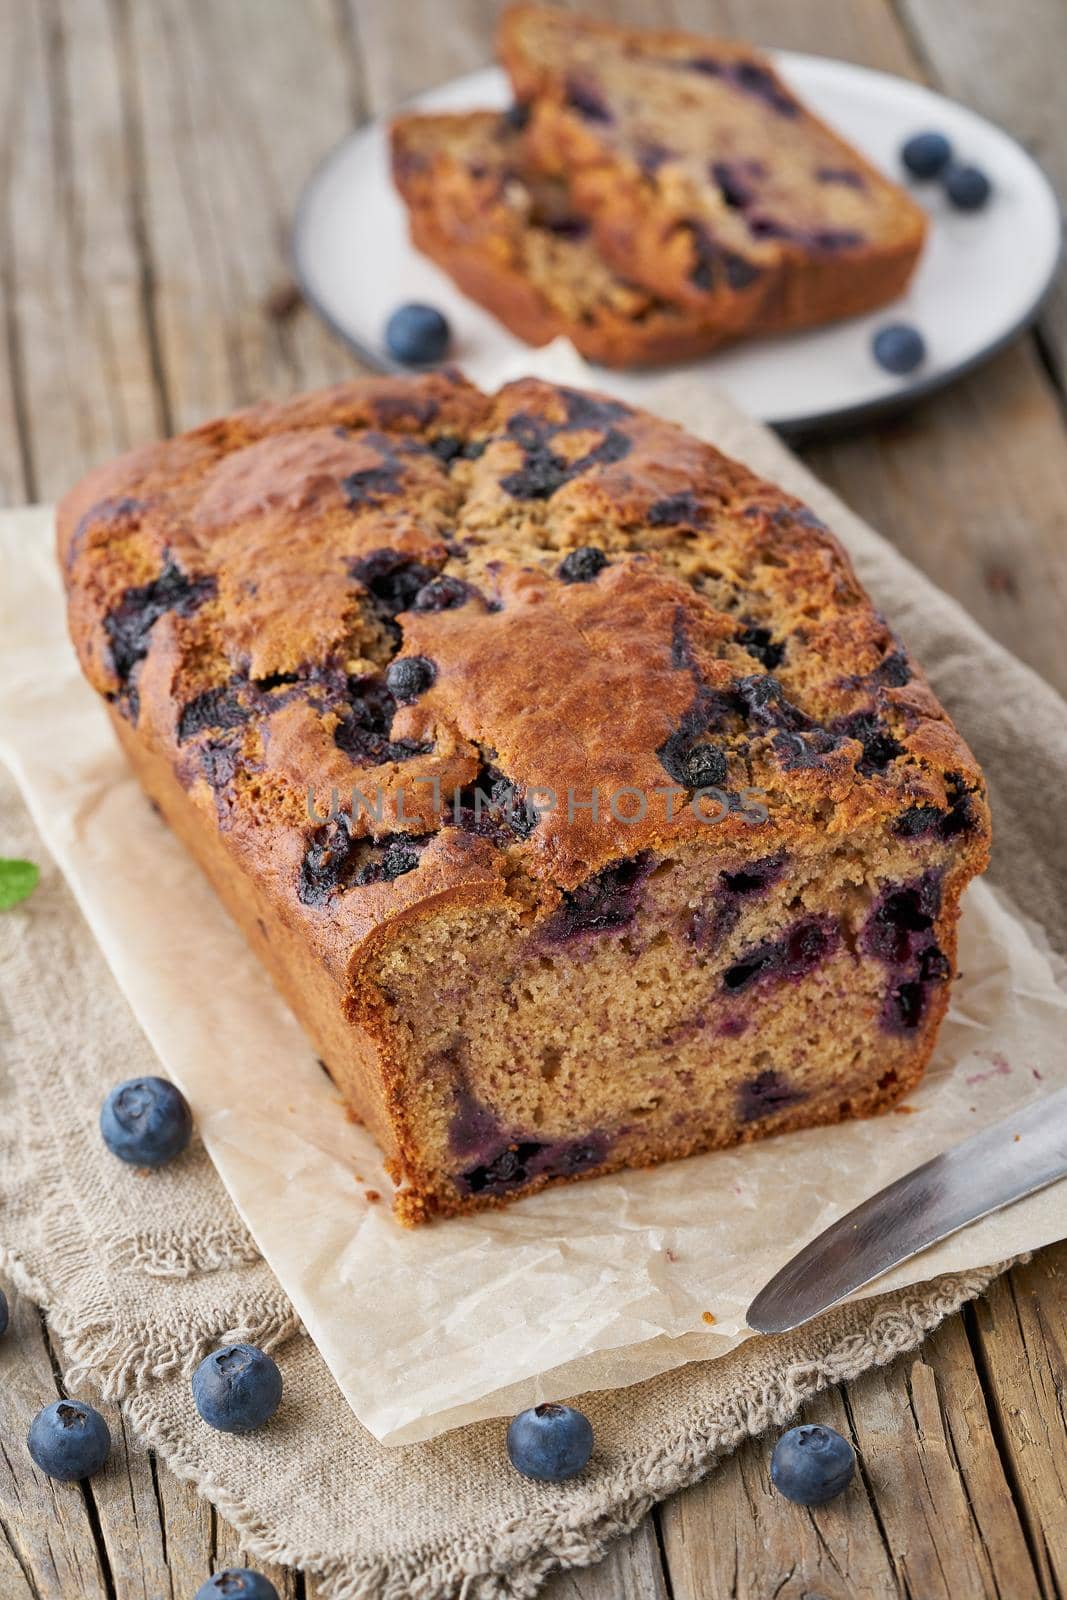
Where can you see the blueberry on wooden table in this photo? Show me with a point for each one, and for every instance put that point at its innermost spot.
(146, 1121)
(417, 335)
(550, 1442)
(926, 154)
(69, 1440)
(967, 188)
(237, 1389)
(812, 1464)
(899, 348)
(237, 1583)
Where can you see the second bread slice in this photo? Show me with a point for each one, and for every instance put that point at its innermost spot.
(512, 240)
(703, 175)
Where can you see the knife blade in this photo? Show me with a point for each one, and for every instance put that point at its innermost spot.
(1013, 1158)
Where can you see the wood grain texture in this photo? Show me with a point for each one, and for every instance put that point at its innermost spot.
(150, 156)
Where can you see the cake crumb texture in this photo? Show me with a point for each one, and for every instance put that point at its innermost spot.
(738, 918)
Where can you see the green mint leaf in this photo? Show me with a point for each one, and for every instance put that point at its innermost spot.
(17, 880)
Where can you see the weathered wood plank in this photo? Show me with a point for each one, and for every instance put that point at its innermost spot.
(46, 1526)
(930, 1515)
(972, 486)
(84, 371)
(632, 1570)
(733, 1537)
(1020, 1331)
(1007, 62)
(214, 85)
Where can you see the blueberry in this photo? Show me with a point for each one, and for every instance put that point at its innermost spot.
(69, 1440)
(899, 348)
(417, 335)
(237, 1583)
(3, 1313)
(237, 1388)
(146, 1121)
(550, 1442)
(926, 154)
(705, 767)
(408, 677)
(967, 188)
(442, 594)
(583, 564)
(811, 1465)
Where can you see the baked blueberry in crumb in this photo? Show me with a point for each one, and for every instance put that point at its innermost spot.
(4, 1313)
(391, 578)
(237, 1583)
(675, 510)
(398, 856)
(214, 708)
(442, 594)
(328, 864)
(812, 1464)
(508, 1164)
(418, 335)
(582, 565)
(765, 1094)
(550, 1442)
(237, 1389)
(603, 903)
(146, 1121)
(365, 725)
(408, 677)
(69, 1440)
(584, 97)
(762, 644)
(130, 623)
(705, 767)
(793, 955)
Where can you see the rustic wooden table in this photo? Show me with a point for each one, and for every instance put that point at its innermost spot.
(150, 157)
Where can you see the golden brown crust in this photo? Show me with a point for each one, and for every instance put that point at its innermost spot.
(704, 177)
(510, 241)
(239, 594)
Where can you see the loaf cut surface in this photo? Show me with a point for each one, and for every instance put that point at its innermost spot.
(704, 177)
(738, 916)
(511, 239)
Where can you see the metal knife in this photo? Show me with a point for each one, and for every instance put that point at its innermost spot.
(1025, 1152)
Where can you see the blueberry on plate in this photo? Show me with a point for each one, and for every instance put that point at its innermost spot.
(237, 1583)
(69, 1440)
(967, 188)
(899, 348)
(3, 1313)
(812, 1464)
(550, 1442)
(926, 154)
(417, 335)
(237, 1389)
(146, 1121)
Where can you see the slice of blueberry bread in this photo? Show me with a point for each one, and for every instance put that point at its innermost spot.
(558, 768)
(511, 239)
(703, 175)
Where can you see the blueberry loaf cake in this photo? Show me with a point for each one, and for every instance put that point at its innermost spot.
(511, 239)
(704, 177)
(557, 767)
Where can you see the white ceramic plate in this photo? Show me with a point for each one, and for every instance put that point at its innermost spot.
(981, 278)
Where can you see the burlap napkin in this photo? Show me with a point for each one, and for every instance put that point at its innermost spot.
(140, 1278)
